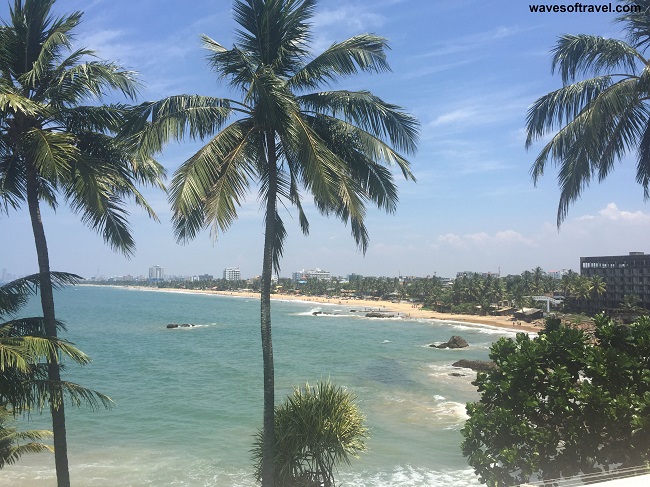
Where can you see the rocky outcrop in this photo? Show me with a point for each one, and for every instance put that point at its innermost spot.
(454, 342)
(377, 314)
(477, 365)
(180, 325)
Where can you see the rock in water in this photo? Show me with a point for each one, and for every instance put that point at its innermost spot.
(180, 325)
(478, 365)
(454, 342)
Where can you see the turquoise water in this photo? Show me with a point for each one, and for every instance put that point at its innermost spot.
(188, 401)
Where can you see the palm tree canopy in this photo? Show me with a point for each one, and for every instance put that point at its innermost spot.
(47, 128)
(598, 120)
(336, 145)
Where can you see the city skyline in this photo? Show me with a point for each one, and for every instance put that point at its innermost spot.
(468, 70)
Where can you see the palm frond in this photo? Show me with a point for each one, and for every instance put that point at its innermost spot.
(643, 162)
(350, 139)
(91, 79)
(236, 65)
(578, 55)
(153, 124)
(559, 107)
(370, 113)
(637, 22)
(14, 294)
(210, 185)
(51, 152)
(12, 441)
(591, 127)
(365, 52)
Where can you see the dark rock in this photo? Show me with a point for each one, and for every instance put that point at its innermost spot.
(375, 314)
(180, 325)
(478, 365)
(454, 342)
(458, 374)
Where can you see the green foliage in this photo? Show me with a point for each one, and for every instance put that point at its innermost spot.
(25, 352)
(14, 443)
(316, 429)
(558, 405)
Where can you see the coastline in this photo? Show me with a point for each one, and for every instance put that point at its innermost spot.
(403, 309)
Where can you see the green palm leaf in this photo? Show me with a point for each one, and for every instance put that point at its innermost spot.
(599, 120)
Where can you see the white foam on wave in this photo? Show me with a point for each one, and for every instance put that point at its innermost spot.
(409, 476)
(434, 410)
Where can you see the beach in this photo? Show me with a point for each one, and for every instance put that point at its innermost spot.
(404, 309)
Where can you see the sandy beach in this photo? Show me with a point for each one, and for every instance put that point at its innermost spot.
(405, 309)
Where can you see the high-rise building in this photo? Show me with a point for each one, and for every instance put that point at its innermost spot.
(624, 275)
(232, 274)
(156, 273)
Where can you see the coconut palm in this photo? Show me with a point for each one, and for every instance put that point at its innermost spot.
(597, 286)
(286, 138)
(316, 429)
(52, 147)
(599, 119)
(24, 383)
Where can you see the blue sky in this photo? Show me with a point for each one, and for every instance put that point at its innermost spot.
(468, 69)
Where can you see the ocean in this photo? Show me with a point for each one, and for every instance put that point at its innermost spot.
(189, 400)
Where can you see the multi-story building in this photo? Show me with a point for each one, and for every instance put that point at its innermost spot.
(156, 273)
(232, 274)
(624, 275)
(557, 274)
(317, 273)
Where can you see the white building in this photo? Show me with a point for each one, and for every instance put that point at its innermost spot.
(317, 273)
(232, 274)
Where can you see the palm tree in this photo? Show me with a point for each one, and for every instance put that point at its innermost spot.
(316, 429)
(599, 119)
(53, 147)
(597, 286)
(24, 384)
(284, 137)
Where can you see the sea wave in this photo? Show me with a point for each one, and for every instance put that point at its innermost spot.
(409, 476)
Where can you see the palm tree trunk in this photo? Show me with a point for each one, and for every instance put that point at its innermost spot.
(268, 468)
(47, 303)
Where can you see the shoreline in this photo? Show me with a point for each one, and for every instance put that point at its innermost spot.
(403, 309)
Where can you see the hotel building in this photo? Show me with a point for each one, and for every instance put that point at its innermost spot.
(232, 274)
(624, 275)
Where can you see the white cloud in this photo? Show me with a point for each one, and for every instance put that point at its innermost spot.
(612, 213)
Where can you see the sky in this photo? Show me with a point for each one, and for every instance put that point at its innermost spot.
(467, 69)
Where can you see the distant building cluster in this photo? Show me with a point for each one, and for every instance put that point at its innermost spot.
(468, 274)
(317, 273)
